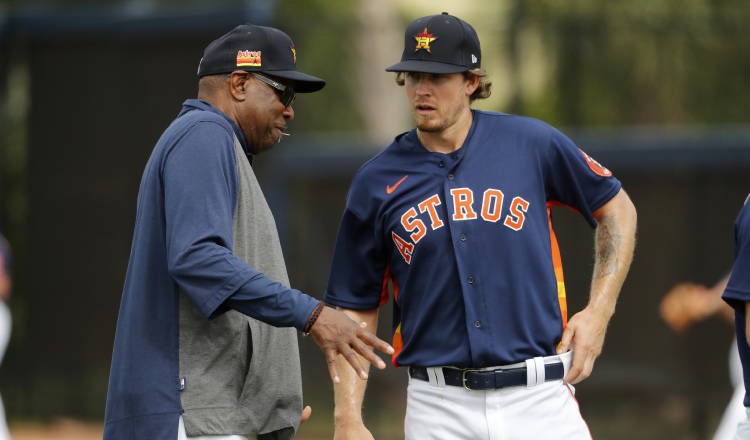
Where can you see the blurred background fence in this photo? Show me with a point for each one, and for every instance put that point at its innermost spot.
(658, 91)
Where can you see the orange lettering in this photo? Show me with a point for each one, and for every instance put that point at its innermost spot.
(492, 205)
(429, 206)
(515, 219)
(413, 224)
(404, 247)
(462, 201)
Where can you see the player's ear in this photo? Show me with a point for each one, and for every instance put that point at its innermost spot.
(238, 84)
(472, 82)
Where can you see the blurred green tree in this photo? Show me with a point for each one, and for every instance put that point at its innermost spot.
(639, 62)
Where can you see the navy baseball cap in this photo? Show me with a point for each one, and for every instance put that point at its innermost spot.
(439, 44)
(257, 49)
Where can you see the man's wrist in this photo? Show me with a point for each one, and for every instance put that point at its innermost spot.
(347, 418)
(313, 317)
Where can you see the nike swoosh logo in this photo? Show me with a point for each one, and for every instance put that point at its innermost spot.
(389, 189)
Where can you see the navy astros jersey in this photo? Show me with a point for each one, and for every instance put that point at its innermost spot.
(737, 292)
(466, 240)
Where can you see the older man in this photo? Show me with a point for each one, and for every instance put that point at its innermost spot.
(205, 345)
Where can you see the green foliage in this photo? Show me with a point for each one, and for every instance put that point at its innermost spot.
(323, 33)
(603, 62)
(644, 61)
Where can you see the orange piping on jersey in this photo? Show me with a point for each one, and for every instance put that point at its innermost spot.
(557, 264)
(556, 203)
(397, 344)
(394, 282)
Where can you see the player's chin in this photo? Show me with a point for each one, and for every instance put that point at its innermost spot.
(428, 125)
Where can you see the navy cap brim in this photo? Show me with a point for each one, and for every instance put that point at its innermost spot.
(422, 66)
(303, 83)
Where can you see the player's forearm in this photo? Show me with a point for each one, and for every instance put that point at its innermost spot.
(614, 245)
(350, 391)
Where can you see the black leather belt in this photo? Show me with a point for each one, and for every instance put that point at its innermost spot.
(489, 379)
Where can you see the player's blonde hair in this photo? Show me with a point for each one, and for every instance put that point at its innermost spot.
(483, 91)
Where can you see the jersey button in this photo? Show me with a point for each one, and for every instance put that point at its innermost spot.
(451, 177)
(441, 164)
(463, 237)
(477, 324)
(471, 281)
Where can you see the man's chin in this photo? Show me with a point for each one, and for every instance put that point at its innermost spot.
(257, 149)
(428, 126)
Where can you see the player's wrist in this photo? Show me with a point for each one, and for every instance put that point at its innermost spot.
(601, 310)
(343, 419)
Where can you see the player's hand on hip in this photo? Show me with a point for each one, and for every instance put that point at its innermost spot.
(585, 334)
(352, 431)
(336, 334)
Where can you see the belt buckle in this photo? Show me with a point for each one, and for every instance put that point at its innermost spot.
(463, 377)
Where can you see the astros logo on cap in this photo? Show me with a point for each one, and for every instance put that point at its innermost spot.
(423, 40)
(248, 58)
(294, 52)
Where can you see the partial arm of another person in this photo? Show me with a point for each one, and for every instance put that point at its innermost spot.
(614, 246)
(5, 279)
(349, 392)
(5, 283)
(687, 303)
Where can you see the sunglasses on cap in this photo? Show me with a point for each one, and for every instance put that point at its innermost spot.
(286, 94)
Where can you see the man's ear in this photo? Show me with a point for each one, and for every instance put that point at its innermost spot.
(471, 87)
(238, 84)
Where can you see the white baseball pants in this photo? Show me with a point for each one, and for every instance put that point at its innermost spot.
(181, 435)
(546, 411)
(5, 327)
(743, 428)
(735, 411)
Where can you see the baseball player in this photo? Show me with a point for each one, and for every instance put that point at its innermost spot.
(737, 295)
(455, 215)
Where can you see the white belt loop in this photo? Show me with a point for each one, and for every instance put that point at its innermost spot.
(540, 371)
(535, 374)
(437, 380)
(530, 373)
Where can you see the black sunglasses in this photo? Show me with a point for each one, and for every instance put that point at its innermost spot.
(286, 94)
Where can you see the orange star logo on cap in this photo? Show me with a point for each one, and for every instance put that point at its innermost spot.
(424, 39)
(294, 52)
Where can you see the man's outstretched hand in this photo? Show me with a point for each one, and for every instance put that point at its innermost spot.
(336, 334)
